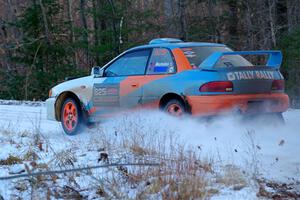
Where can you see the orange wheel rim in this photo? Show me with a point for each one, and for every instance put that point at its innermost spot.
(175, 110)
(70, 116)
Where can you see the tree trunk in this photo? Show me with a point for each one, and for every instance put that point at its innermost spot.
(293, 14)
(96, 29)
(182, 19)
(46, 27)
(249, 27)
(72, 36)
(85, 35)
(271, 7)
(212, 21)
(114, 27)
(170, 30)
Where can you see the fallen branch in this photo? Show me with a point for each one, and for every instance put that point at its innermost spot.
(76, 169)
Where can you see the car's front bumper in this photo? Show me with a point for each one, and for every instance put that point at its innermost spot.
(50, 107)
(244, 103)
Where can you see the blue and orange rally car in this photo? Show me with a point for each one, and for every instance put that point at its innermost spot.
(201, 79)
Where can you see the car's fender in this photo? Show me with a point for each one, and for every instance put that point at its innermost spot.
(82, 88)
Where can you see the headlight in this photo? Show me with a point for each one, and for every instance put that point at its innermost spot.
(50, 93)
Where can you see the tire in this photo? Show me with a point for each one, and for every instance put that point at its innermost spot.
(175, 108)
(71, 117)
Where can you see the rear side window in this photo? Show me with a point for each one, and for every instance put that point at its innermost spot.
(196, 55)
(161, 62)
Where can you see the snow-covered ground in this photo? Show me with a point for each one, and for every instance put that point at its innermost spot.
(261, 151)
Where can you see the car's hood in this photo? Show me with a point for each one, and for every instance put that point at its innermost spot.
(75, 85)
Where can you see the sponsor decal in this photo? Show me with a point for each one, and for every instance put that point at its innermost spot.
(190, 54)
(160, 52)
(162, 64)
(106, 94)
(171, 70)
(248, 75)
(105, 91)
(160, 69)
(150, 68)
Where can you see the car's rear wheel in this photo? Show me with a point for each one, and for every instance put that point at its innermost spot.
(71, 117)
(175, 108)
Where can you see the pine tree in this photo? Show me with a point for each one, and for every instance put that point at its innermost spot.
(44, 53)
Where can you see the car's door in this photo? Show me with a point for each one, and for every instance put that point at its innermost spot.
(120, 89)
(160, 66)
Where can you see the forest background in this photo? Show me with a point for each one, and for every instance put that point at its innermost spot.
(44, 41)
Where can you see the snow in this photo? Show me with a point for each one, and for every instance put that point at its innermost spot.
(17, 169)
(229, 141)
(245, 194)
(261, 150)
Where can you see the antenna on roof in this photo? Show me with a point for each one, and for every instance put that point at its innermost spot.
(165, 40)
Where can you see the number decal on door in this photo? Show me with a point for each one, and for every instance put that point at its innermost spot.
(106, 94)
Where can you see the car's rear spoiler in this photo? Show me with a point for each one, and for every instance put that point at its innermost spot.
(274, 59)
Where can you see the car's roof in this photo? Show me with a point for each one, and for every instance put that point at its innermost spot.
(173, 45)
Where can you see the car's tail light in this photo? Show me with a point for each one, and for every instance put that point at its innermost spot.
(217, 86)
(278, 85)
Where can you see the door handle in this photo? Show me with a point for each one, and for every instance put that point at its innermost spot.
(134, 85)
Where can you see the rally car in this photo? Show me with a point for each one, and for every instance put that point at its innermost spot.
(200, 79)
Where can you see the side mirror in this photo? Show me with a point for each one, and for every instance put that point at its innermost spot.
(97, 71)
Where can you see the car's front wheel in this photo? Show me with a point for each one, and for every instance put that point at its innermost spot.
(175, 108)
(71, 117)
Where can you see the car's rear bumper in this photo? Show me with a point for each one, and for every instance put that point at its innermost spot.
(50, 107)
(244, 103)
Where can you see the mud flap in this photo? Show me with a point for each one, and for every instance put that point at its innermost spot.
(187, 105)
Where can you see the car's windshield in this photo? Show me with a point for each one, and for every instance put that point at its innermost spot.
(196, 55)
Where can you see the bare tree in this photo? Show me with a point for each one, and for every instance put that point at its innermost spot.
(272, 7)
(169, 18)
(293, 14)
(96, 27)
(182, 19)
(85, 35)
(46, 26)
(72, 36)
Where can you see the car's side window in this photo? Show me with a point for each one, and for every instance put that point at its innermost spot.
(132, 63)
(161, 62)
